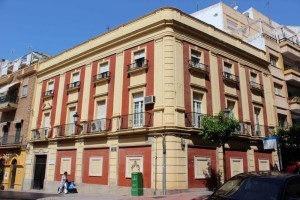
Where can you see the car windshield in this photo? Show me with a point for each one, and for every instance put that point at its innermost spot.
(244, 188)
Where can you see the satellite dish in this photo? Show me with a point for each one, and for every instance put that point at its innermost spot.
(235, 7)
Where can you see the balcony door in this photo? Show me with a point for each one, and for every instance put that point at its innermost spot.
(46, 124)
(256, 122)
(138, 103)
(101, 114)
(139, 58)
(197, 120)
(5, 134)
(18, 133)
(71, 128)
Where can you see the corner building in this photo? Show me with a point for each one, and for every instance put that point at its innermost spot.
(139, 88)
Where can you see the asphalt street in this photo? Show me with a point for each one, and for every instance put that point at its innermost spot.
(4, 195)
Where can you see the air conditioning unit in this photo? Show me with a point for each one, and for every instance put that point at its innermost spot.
(149, 99)
(96, 127)
(240, 128)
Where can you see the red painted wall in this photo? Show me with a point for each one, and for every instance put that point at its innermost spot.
(235, 154)
(80, 92)
(201, 183)
(238, 91)
(262, 155)
(65, 99)
(144, 151)
(40, 116)
(61, 154)
(264, 109)
(92, 92)
(54, 103)
(251, 112)
(221, 82)
(102, 180)
(111, 87)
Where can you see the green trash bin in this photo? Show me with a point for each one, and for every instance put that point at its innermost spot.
(136, 184)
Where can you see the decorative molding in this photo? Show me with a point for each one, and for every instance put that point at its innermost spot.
(234, 96)
(198, 87)
(257, 103)
(72, 102)
(100, 95)
(137, 86)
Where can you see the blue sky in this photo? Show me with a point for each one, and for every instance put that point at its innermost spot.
(52, 26)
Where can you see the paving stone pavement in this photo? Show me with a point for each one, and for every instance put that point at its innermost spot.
(179, 196)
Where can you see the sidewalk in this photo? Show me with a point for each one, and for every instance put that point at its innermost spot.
(78, 196)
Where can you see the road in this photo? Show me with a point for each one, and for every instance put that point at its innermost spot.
(5, 195)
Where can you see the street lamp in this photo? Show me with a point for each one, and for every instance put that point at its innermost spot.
(76, 117)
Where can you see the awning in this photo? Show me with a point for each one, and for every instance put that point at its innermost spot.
(7, 87)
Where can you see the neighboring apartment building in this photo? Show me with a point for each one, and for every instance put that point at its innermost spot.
(282, 45)
(133, 99)
(17, 81)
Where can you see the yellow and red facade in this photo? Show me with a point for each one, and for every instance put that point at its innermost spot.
(105, 81)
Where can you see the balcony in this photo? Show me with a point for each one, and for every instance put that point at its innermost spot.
(139, 65)
(136, 120)
(98, 126)
(197, 67)
(290, 48)
(73, 86)
(8, 102)
(194, 119)
(292, 75)
(294, 103)
(10, 140)
(256, 87)
(243, 129)
(231, 78)
(48, 94)
(41, 134)
(67, 130)
(102, 77)
(260, 131)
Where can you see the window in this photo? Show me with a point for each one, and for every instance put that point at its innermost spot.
(282, 121)
(46, 124)
(227, 70)
(195, 58)
(95, 166)
(71, 126)
(138, 103)
(197, 119)
(139, 58)
(257, 128)
(133, 164)
(263, 165)
(103, 69)
(231, 25)
(50, 86)
(236, 166)
(277, 89)
(101, 114)
(75, 77)
(253, 77)
(65, 165)
(230, 107)
(24, 90)
(202, 167)
(273, 61)
(18, 133)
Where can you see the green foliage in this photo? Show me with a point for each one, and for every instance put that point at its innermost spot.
(289, 137)
(219, 128)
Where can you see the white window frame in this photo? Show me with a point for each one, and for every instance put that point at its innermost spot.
(138, 110)
(253, 77)
(202, 176)
(241, 165)
(98, 159)
(61, 164)
(259, 164)
(24, 90)
(127, 170)
(75, 76)
(273, 61)
(51, 86)
(195, 57)
(278, 89)
(103, 67)
(137, 55)
(197, 108)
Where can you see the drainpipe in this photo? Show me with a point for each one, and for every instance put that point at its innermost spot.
(164, 164)
(155, 168)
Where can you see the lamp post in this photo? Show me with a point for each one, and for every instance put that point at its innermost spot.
(76, 117)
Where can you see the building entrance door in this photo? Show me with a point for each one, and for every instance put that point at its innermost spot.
(39, 173)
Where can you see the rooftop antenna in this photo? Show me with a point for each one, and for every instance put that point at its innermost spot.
(107, 28)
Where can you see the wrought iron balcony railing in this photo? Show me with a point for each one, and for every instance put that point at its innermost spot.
(256, 86)
(48, 93)
(198, 65)
(68, 130)
(10, 140)
(194, 119)
(290, 40)
(73, 85)
(136, 120)
(101, 76)
(231, 77)
(98, 125)
(10, 98)
(139, 63)
(243, 129)
(41, 133)
(296, 68)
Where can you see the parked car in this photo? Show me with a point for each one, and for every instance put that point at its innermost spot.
(260, 185)
(293, 167)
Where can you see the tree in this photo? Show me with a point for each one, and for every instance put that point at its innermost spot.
(289, 138)
(219, 129)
